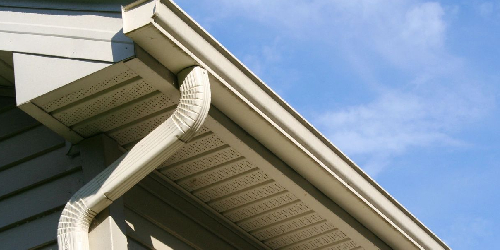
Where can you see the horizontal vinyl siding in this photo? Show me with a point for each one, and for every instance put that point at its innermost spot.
(36, 180)
(23, 121)
(33, 235)
(7, 103)
(40, 169)
(154, 222)
(27, 145)
(52, 245)
(37, 200)
(159, 218)
(144, 234)
(133, 244)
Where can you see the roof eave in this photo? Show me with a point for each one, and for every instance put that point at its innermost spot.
(177, 41)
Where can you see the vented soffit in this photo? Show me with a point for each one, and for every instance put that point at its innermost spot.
(221, 168)
(126, 100)
(175, 40)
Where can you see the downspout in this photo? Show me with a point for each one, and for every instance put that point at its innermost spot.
(142, 159)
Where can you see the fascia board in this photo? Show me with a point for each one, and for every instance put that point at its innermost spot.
(37, 84)
(174, 39)
(69, 34)
(39, 75)
(49, 121)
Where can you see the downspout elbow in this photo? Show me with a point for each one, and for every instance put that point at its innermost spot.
(74, 223)
(142, 159)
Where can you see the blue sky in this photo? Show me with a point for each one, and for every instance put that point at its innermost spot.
(408, 89)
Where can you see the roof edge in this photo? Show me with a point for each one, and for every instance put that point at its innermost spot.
(298, 131)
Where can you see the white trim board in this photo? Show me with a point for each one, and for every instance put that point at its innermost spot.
(70, 34)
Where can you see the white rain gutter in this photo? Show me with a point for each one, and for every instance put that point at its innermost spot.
(144, 157)
(160, 24)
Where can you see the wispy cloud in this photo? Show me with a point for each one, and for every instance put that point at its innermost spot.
(424, 111)
(435, 99)
(398, 121)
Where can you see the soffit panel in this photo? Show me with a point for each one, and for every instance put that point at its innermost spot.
(121, 103)
(226, 181)
(273, 122)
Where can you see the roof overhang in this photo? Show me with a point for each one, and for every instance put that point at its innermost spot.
(176, 41)
(246, 114)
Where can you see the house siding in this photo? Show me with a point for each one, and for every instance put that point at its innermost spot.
(159, 216)
(37, 177)
(40, 171)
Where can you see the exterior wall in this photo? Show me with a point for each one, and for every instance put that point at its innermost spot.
(149, 221)
(40, 171)
(159, 215)
(37, 177)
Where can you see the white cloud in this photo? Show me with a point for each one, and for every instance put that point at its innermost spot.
(424, 26)
(375, 38)
(397, 122)
(400, 31)
(410, 36)
(393, 122)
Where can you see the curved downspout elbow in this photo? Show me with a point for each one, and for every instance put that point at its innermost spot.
(142, 159)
